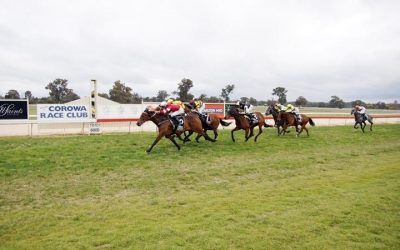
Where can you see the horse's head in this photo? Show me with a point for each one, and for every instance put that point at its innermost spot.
(233, 111)
(352, 111)
(270, 110)
(147, 114)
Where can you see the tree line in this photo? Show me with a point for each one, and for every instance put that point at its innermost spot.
(121, 93)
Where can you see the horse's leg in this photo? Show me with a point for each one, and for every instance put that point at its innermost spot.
(371, 123)
(198, 137)
(259, 132)
(284, 127)
(301, 130)
(355, 125)
(233, 130)
(362, 127)
(215, 134)
(306, 130)
(251, 129)
(173, 141)
(247, 130)
(186, 139)
(158, 138)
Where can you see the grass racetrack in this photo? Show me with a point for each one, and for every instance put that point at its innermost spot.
(338, 188)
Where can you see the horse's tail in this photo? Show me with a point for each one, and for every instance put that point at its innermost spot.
(311, 121)
(224, 123)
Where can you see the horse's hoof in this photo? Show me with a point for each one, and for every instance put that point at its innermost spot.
(147, 151)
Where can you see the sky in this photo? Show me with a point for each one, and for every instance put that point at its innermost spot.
(314, 49)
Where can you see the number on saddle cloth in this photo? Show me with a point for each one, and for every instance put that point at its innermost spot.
(253, 118)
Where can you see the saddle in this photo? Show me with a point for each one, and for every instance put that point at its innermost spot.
(204, 121)
(252, 117)
(177, 122)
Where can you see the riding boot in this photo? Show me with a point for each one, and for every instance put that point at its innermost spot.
(176, 124)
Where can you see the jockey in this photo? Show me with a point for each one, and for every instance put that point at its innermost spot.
(199, 107)
(176, 102)
(246, 107)
(279, 107)
(180, 103)
(175, 111)
(361, 110)
(294, 110)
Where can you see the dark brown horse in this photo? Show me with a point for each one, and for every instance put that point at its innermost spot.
(165, 128)
(288, 119)
(272, 111)
(213, 124)
(243, 123)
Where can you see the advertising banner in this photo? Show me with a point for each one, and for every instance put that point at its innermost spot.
(63, 112)
(119, 112)
(11, 109)
(215, 108)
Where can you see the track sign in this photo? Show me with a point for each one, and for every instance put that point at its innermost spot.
(94, 128)
(62, 112)
(11, 109)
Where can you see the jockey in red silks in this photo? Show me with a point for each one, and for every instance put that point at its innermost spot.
(175, 111)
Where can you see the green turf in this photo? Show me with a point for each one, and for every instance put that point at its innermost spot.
(338, 189)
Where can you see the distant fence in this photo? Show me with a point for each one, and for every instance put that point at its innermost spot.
(40, 128)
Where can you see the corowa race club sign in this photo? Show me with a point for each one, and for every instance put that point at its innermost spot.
(62, 112)
(14, 109)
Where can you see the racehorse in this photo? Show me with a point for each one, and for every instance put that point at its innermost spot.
(214, 123)
(165, 128)
(360, 119)
(288, 119)
(272, 111)
(243, 123)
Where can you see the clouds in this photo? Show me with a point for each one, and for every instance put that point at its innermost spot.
(314, 48)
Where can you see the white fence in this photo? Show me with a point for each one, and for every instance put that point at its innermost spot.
(37, 128)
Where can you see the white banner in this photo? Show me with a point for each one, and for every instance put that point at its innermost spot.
(122, 111)
(63, 112)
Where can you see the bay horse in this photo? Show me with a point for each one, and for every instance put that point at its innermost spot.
(243, 123)
(272, 111)
(360, 119)
(214, 123)
(165, 128)
(289, 119)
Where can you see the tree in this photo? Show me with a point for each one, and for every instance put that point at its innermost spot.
(59, 91)
(336, 102)
(301, 101)
(183, 90)
(162, 95)
(121, 93)
(12, 94)
(244, 99)
(104, 95)
(136, 98)
(253, 101)
(212, 99)
(357, 102)
(202, 97)
(28, 95)
(280, 92)
(227, 91)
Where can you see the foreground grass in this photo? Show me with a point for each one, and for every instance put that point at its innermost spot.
(337, 189)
